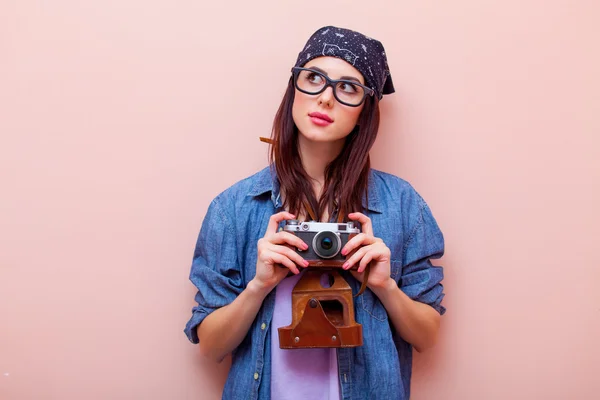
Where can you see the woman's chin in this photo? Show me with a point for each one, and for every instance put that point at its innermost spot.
(320, 136)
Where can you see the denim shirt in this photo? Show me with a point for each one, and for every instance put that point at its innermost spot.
(224, 262)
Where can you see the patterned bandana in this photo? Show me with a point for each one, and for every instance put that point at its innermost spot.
(365, 54)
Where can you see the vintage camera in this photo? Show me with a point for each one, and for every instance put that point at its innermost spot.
(325, 240)
(322, 301)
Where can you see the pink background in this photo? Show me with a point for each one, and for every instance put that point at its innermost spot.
(121, 120)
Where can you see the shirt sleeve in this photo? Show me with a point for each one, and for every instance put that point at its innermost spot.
(215, 269)
(420, 279)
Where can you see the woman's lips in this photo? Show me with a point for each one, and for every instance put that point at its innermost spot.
(320, 119)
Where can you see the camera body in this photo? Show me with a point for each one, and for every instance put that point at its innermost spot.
(325, 241)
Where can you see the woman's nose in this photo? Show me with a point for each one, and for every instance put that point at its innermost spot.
(326, 97)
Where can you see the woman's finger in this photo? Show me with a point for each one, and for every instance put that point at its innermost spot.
(280, 259)
(275, 220)
(356, 257)
(366, 260)
(290, 254)
(288, 238)
(358, 240)
(365, 222)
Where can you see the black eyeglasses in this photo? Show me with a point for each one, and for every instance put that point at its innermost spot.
(345, 91)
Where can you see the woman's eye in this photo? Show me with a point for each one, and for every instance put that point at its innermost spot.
(314, 77)
(348, 87)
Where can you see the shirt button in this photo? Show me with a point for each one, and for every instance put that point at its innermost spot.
(263, 326)
(256, 376)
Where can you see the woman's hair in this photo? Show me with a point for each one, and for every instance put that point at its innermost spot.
(346, 177)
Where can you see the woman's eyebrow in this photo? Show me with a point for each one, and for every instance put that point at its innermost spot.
(348, 78)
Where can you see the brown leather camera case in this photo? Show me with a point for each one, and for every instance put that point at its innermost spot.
(321, 316)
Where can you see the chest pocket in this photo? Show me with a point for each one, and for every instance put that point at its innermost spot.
(371, 303)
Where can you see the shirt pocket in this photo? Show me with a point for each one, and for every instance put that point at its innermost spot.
(396, 269)
(371, 303)
(373, 306)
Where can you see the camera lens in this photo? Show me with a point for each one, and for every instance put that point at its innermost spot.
(327, 244)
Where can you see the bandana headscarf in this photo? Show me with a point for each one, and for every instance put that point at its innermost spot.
(364, 53)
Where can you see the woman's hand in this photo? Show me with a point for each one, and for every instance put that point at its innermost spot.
(275, 259)
(373, 249)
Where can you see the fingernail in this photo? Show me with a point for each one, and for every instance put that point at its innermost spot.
(344, 252)
(345, 266)
(306, 263)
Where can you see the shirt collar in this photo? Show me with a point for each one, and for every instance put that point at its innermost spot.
(266, 181)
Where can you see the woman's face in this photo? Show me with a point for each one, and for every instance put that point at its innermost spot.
(336, 120)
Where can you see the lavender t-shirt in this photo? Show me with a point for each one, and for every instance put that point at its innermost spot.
(299, 373)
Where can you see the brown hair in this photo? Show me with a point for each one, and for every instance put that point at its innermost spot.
(346, 177)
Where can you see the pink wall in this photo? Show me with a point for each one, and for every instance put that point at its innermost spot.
(118, 125)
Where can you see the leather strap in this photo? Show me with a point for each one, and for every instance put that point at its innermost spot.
(363, 286)
(266, 140)
(309, 210)
(364, 282)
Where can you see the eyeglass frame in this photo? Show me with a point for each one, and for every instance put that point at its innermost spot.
(331, 82)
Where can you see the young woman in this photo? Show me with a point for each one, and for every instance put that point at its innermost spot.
(320, 170)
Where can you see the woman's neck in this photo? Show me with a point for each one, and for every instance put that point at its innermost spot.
(315, 157)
